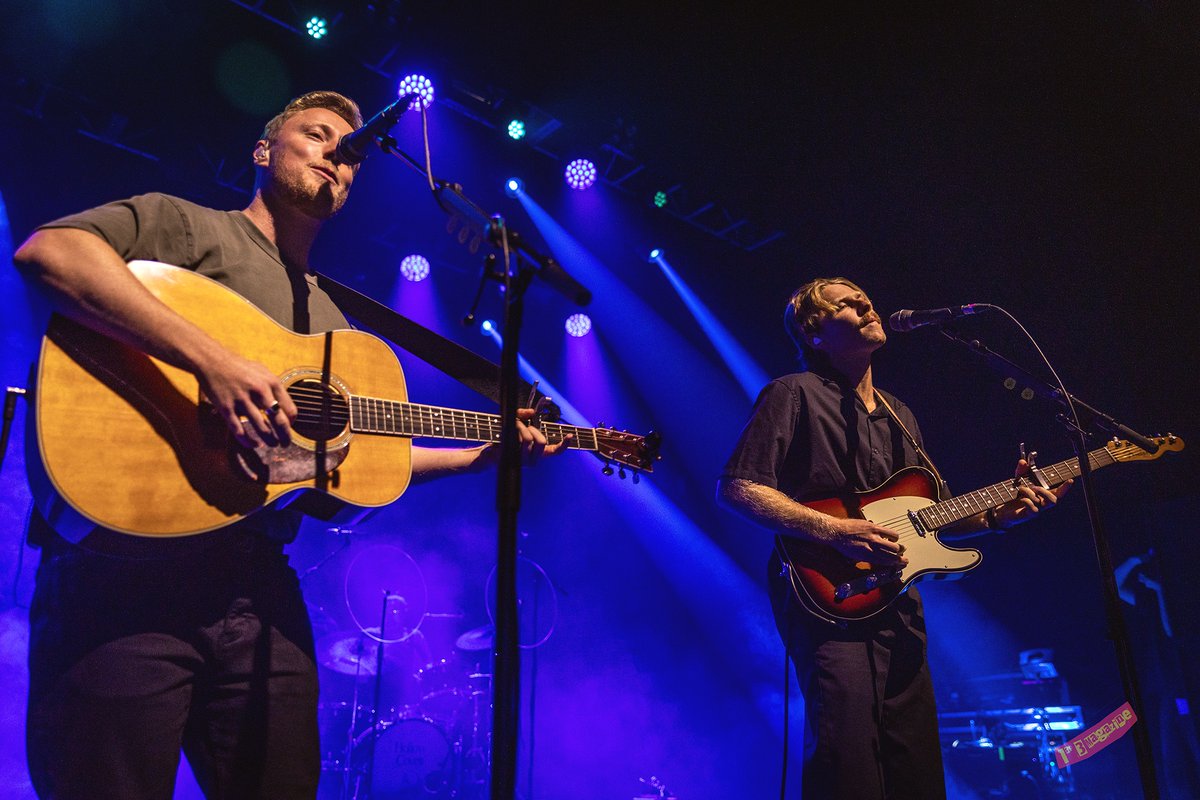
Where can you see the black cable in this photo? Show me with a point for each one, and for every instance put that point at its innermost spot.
(785, 570)
(23, 542)
(10, 411)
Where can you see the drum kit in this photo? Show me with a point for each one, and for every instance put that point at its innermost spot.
(405, 724)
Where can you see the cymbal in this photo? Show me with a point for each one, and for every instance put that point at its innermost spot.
(477, 639)
(348, 652)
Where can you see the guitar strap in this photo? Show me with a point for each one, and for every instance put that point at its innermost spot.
(920, 451)
(465, 366)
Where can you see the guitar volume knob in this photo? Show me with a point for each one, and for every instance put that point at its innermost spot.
(842, 591)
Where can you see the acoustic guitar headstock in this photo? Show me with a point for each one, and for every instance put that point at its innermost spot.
(627, 450)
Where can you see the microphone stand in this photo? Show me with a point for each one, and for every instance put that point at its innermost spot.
(516, 278)
(1117, 631)
(527, 263)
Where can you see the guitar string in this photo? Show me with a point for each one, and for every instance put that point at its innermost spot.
(317, 394)
(310, 405)
(313, 399)
(1072, 464)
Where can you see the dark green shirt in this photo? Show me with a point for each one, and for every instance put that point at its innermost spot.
(223, 245)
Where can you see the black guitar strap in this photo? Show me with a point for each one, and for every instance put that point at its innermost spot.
(465, 366)
(921, 454)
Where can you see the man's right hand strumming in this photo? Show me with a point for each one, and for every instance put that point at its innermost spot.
(862, 540)
(250, 398)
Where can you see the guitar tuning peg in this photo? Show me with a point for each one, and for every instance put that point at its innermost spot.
(621, 474)
(608, 470)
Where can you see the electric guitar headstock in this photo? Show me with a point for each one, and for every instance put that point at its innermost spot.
(1122, 450)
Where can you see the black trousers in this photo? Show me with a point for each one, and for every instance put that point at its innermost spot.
(130, 661)
(870, 714)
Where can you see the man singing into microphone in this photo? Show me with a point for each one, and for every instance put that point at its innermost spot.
(207, 646)
(870, 722)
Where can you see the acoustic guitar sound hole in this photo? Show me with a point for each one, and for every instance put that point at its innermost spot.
(323, 413)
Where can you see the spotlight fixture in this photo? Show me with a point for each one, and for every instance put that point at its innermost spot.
(660, 199)
(580, 174)
(655, 254)
(514, 187)
(578, 324)
(419, 84)
(516, 129)
(317, 27)
(487, 327)
(415, 267)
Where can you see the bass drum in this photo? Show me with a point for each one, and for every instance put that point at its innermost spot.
(412, 759)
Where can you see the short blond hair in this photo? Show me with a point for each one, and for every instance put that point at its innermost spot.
(339, 104)
(804, 310)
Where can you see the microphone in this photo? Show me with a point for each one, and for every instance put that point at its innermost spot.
(906, 319)
(352, 148)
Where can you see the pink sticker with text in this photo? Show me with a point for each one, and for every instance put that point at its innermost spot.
(1096, 738)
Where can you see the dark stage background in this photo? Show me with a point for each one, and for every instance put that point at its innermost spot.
(1035, 157)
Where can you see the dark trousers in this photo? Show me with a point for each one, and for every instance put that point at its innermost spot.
(870, 715)
(210, 652)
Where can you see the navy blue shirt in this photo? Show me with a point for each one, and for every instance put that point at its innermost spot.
(810, 436)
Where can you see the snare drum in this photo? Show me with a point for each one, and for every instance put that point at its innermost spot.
(443, 691)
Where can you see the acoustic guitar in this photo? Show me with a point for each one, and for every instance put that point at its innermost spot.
(124, 441)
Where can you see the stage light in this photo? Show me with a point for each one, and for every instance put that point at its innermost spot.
(419, 84)
(415, 267)
(487, 327)
(580, 174)
(655, 254)
(513, 187)
(516, 129)
(316, 27)
(579, 324)
(660, 199)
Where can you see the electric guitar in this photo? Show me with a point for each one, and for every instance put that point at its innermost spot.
(836, 589)
(127, 442)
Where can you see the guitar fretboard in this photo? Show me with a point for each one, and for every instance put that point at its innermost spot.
(959, 508)
(389, 417)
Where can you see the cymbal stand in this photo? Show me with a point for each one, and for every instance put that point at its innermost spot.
(377, 695)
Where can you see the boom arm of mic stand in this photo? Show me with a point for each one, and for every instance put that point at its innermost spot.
(1009, 369)
(451, 199)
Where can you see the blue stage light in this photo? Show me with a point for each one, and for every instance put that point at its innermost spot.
(316, 27)
(419, 84)
(580, 174)
(516, 129)
(487, 327)
(655, 254)
(513, 187)
(579, 324)
(415, 267)
(660, 199)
